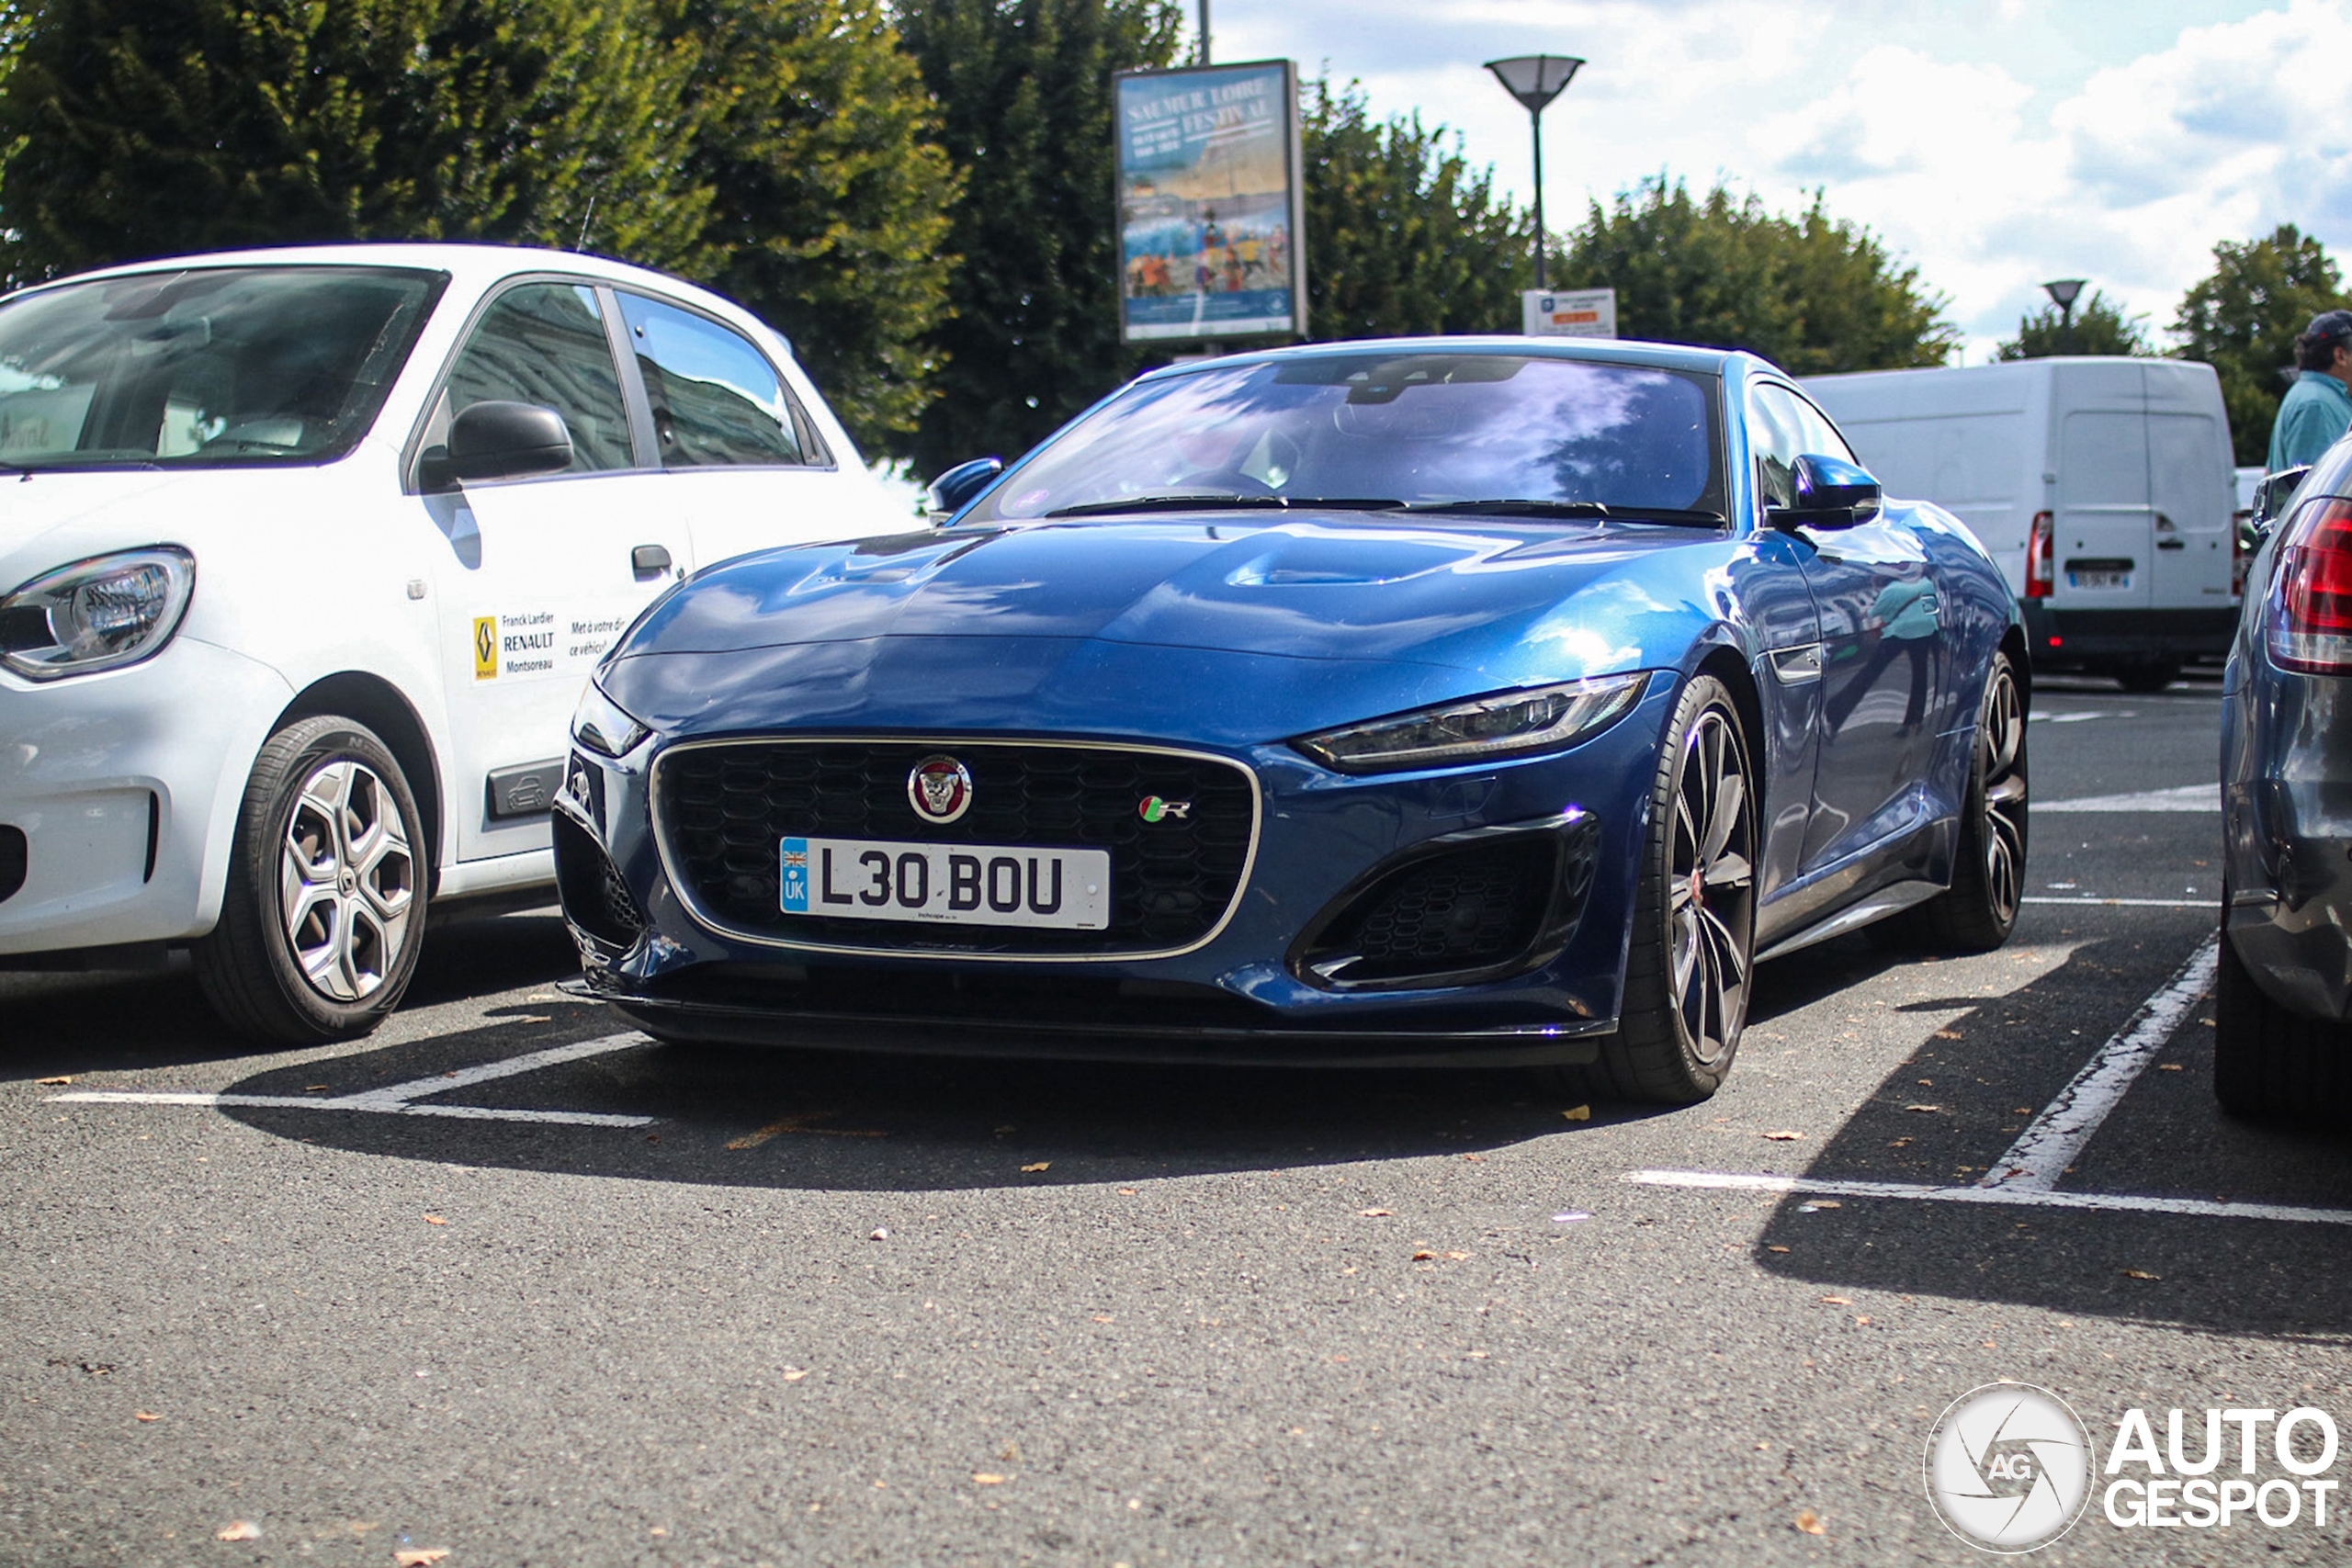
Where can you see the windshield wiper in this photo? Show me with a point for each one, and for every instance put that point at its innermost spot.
(1221, 502)
(1521, 506)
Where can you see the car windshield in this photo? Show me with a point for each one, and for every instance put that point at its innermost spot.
(205, 366)
(1424, 429)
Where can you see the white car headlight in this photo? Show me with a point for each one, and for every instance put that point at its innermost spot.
(96, 614)
(604, 726)
(1540, 719)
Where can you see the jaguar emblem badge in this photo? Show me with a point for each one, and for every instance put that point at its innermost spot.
(940, 789)
(1151, 808)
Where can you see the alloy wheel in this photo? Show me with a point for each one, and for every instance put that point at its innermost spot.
(2001, 749)
(1711, 887)
(346, 880)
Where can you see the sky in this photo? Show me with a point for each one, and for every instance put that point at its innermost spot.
(1992, 144)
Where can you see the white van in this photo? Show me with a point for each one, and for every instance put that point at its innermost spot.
(2104, 486)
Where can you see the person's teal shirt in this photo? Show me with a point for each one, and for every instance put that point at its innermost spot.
(2316, 410)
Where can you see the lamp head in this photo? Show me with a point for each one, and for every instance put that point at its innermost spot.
(2063, 290)
(1535, 79)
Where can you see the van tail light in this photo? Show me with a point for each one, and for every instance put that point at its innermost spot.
(2310, 597)
(2040, 572)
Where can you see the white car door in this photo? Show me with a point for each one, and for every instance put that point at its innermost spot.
(539, 576)
(746, 464)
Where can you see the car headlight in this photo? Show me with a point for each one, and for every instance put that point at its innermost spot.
(604, 726)
(1541, 719)
(96, 614)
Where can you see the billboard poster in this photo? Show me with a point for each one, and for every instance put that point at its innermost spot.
(1211, 205)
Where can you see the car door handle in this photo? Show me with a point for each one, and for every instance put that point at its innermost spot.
(2172, 544)
(648, 559)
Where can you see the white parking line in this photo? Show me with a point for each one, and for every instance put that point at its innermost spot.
(2012, 1196)
(2133, 903)
(2045, 1149)
(2188, 797)
(401, 1099)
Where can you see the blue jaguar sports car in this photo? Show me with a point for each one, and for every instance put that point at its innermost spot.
(1475, 701)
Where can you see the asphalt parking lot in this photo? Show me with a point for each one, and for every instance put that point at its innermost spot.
(508, 1283)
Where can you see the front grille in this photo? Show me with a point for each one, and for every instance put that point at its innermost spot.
(13, 861)
(724, 810)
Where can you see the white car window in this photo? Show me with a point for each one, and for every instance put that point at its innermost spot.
(545, 344)
(716, 398)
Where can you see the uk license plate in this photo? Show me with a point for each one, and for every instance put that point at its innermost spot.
(2096, 579)
(969, 884)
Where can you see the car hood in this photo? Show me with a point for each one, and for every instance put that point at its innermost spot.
(47, 520)
(1337, 614)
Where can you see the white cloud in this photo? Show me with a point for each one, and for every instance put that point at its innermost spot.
(1992, 144)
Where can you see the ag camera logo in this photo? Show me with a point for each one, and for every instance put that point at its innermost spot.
(2008, 1467)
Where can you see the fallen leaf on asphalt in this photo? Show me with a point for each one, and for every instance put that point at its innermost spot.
(1126, 1192)
(1034, 1169)
(1923, 1107)
(1424, 1256)
(1838, 1301)
(314, 1089)
(1579, 1113)
(794, 1374)
(1103, 1317)
(1457, 1256)
(1948, 1034)
(1776, 1250)
(238, 1529)
(1862, 1322)
(1809, 1522)
(2022, 1110)
(1011, 1453)
(1784, 1137)
(1898, 1143)
(2140, 1274)
(61, 1077)
(2169, 1067)
(1476, 1159)
(1375, 1214)
(984, 1478)
(144, 1415)
(417, 1559)
(435, 1219)
(880, 1234)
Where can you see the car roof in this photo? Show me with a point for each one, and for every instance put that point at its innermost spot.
(1613, 350)
(475, 267)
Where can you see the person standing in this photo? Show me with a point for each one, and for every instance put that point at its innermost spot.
(2318, 407)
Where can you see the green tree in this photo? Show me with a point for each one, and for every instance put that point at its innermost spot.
(830, 196)
(2099, 327)
(1402, 235)
(2244, 317)
(148, 126)
(1024, 93)
(1812, 293)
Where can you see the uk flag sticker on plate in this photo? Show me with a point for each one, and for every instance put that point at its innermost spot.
(795, 866)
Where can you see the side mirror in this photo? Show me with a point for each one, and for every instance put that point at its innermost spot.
(953, 489)
(2272, 498)
(497, 441)
(1830, 493)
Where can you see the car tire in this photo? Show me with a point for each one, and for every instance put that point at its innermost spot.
(2153, 676)
(328, 823)
(2270, 1064)
(1692, 960)
(1979, 910)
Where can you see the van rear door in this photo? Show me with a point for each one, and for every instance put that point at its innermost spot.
(2190, 485)
(2105, 525)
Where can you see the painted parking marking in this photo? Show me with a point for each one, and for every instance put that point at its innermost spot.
(2188, 798)
(2014, 1196)
(2131, 903)
(2028, 1175)
(408, 1099)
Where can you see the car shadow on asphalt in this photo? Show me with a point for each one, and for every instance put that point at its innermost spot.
(1946, 1116)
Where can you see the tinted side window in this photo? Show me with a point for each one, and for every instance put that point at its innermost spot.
(1776, 438)
(544, 342)
(716, 398)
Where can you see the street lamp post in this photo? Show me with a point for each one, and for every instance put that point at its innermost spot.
(2062, 293)
(1535, 80)
(1204, 32)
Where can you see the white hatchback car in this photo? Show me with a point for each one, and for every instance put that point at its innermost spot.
(305, 555)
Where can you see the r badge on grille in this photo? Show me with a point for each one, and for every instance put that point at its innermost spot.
(1151, 808)
(940, 789)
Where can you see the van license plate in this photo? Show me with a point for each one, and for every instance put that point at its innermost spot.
(2097, 580)
(963, 885)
